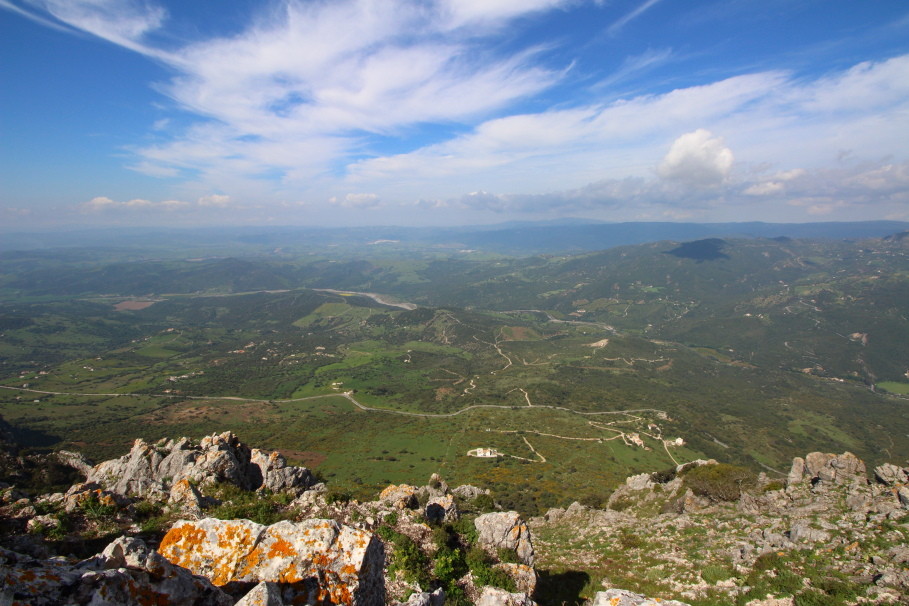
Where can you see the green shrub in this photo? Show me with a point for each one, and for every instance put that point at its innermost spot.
(484, 572)
(713, 573)
(774, 485)
(720, 482)
(94, 509)
(337, 496)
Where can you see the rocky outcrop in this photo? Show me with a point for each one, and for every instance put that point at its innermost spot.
(493, 596)
(424, 598)
(314, 560)
(151, 470)
(126, 573)
(622, 597)
(889, 474)
(505, 530)
(827, 469)
(441, 509)
(856, 531)
(401, 496)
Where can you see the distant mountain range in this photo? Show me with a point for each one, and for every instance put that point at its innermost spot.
(515, 238)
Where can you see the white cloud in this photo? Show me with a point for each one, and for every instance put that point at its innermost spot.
(361, 201)
(631, 16)
(697, 159)
(123, 22)
(218, 200)
(105, 204)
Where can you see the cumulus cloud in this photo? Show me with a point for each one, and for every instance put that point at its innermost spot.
(353, 200)
(104, 204)
(218, 200)
(697, 159)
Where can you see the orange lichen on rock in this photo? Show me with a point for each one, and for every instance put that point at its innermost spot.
(346, 563)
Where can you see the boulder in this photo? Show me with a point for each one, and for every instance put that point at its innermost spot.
(493, 596)
(313, 560)
(127, 573)
(639, 482)
(505, 530)
(424, 598)
(524, 577)
(276, 476)
(80, 495)
(802, 532)
(902, 494)
(834, 469)
(796, 472)
(889, 474)
(151, 470)
(468, 492)
(188, 498)
(623, 597)
(401, 496)
(441, 509)
(263, 594)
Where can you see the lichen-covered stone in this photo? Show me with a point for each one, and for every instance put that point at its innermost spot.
(127, 573)
(321, 561)
(402, 496)
(623, 597)
(505, 530)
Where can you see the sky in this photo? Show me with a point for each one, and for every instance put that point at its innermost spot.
(451, 112)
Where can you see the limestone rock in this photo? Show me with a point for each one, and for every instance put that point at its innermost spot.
(436, 598)
(505, 530)
(834, 469)
(524, 577)
(903, 495)
(151, 470)
(263, 594)
(76, 460)
(313, 559)
(889, 474)
(468, 492)
(796, 472)
(801, 532)
(127, 573)
(623, 597)
(188, 497)
(441, 509)
(493, 596)
(79, 495)
(402, 496)
(276, 475)
(639, 482)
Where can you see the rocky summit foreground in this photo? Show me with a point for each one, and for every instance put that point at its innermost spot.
(217, 523)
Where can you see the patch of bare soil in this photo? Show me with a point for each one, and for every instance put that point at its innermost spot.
(133, 305)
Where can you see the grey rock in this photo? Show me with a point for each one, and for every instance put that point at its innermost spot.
(801, 532)
(127, 573)
(623, 597)
(263, 594)
(441, 509)
(151, 470)
(796, 472)
(505, 530)
(889, 474)
(436, 598)
(903, 495)
(493, 596)
(468, 492)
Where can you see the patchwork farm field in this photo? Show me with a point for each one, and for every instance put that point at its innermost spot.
(372, 389)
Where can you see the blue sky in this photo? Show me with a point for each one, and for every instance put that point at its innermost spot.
(358, 112)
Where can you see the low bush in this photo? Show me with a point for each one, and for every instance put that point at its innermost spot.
(720, 482)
